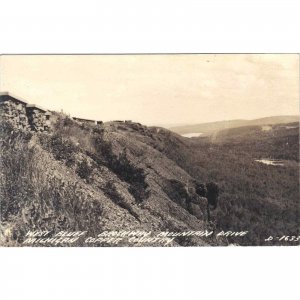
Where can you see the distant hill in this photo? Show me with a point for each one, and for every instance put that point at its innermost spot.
(247, 134)
(211, 127)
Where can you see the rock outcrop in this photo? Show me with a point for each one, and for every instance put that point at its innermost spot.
(14, 110)
(23, 115)
(80, 176)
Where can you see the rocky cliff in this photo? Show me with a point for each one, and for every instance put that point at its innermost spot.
(23, 115)
(95, 178)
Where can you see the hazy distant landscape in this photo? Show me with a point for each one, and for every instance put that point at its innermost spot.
(206, 128)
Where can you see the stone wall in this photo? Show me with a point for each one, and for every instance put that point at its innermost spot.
(14, 111)
(23, 115)
(30, 116)
(36, 118)
(87, 121)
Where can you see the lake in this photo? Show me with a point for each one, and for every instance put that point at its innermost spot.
(272, 162)
(193, 134)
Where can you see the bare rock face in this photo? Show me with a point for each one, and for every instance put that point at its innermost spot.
(36, 119)
(81, 176)
(15, 113)
(22, 115)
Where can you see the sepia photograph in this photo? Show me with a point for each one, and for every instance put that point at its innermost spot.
(149, 150)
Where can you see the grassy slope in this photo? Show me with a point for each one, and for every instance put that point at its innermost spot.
(82, 178)
(121, 176)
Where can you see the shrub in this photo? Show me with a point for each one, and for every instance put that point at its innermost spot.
(133, 175)
(122, 167)
(84, 170)
(177, 191)
(62, 148)
(212, 194)
(201, 189)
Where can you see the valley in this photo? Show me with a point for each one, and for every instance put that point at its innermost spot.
(124, 175)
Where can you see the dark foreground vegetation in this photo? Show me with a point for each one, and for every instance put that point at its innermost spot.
(39, 187)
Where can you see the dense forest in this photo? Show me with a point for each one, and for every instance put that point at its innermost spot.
(263, 199)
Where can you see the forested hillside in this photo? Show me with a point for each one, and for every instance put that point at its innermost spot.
(123, 175)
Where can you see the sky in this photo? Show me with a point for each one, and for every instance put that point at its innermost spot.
(157, 89)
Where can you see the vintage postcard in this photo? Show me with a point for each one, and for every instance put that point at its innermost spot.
(149, 150)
